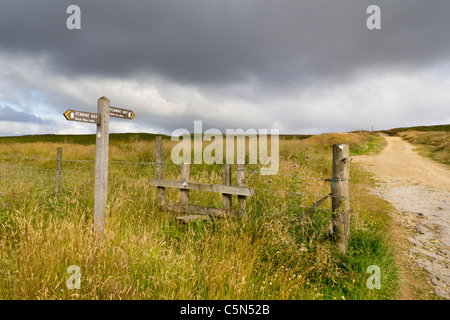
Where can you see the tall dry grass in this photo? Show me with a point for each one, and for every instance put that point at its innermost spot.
(276, 253)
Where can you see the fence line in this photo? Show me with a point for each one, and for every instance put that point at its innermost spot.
(79, 160)
(114, 179)
(67, 170)
(301, 201)
(163, 163)
(300, 177)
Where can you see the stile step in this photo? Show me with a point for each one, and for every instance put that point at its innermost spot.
(191, 218)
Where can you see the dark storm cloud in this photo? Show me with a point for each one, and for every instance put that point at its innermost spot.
(220, 42)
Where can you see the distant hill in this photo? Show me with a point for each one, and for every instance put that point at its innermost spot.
(395, 131)
(87, 139)
(84, 139)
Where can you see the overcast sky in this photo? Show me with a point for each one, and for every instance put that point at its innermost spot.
(294, 65)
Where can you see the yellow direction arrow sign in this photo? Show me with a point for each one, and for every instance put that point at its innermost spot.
(82, 116)
(121, 113)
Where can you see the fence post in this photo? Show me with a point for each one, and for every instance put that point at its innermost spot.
(340, 196)
(226, 180)
(161, 191)
(185, 174)
(58, 168)
(101, 164)
(241, 183)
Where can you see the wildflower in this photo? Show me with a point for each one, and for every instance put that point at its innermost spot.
(307, 157)
(295, 166)
(270, 180)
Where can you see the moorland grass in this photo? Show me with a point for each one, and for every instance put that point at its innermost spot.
(278, 252)
(432, 144)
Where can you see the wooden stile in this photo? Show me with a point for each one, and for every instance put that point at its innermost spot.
(241, 183)
(184, 192)
(185, 185)
(219, 188)
(226, 179)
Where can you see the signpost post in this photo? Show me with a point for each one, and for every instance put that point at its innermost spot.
(101, 164)
(101, 119)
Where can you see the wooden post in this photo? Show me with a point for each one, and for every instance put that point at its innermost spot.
(58, 169)
(185, 174)
(161, 191)
(226, 180)
(101, 164)
(241, 183)
(240, 168)
(340, 196)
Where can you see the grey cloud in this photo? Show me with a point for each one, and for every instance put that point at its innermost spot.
(11, 115)
(282, 43)
(168, 123)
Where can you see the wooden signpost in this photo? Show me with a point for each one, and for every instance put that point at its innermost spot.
(101, 119)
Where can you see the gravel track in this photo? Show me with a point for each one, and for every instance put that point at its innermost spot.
(419, 188)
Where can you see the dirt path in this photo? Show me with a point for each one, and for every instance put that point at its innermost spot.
(419, 188)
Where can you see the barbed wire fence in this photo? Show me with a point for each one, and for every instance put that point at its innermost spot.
(77, 176)
(24, 177)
